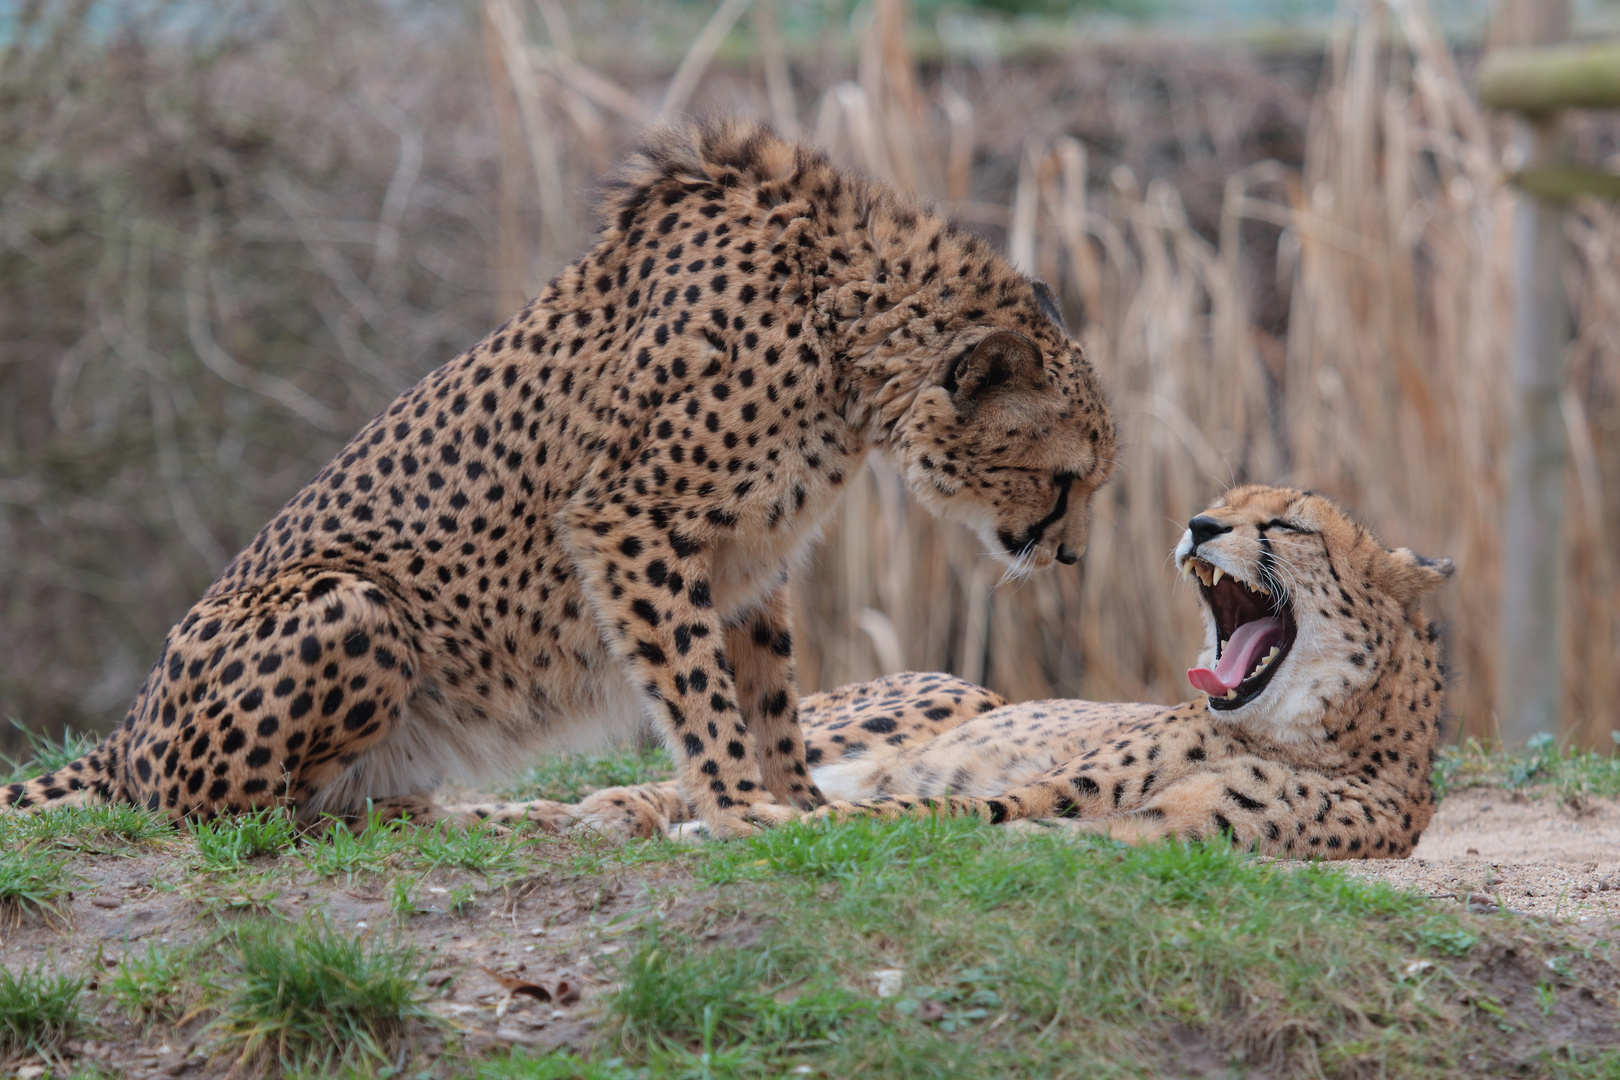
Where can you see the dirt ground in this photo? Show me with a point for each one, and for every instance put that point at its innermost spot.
(1541, 856)
(489, 961)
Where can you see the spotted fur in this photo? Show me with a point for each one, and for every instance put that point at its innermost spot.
(592, 514)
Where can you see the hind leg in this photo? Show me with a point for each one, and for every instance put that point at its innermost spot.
(267, 696)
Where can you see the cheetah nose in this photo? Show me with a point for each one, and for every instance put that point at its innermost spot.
(1205, 528)
(1067, 555)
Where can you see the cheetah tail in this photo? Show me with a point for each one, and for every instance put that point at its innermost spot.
(91, 778)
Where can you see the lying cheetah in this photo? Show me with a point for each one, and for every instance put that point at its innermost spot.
(593, 513)
(1314, 734)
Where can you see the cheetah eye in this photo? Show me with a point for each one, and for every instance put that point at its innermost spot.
(1279, 525)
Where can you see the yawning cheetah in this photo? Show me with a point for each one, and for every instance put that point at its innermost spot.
(1314, 734)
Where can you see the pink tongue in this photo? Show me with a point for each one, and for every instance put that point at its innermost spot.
(1249, 642)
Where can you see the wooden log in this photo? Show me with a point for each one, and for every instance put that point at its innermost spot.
(1545, 79)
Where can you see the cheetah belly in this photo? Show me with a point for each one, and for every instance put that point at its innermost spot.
(442, 737)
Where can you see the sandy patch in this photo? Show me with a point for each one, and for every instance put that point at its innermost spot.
(1538, 855)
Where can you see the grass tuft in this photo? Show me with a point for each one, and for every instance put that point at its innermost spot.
(38, 1011)
(32, 882)
(224, 844)
(166, 984)
(391, 846)
(85, 827)
(45, 754)
(315, 997)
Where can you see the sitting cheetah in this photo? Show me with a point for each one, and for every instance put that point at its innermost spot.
(1314, 735)
(593, 513)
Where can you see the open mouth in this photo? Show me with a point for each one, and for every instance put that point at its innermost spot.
(1254, 632)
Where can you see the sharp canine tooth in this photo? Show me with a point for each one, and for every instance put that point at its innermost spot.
(1223, 644)
(1217, 575)
(1272, 655)
(1230, 694)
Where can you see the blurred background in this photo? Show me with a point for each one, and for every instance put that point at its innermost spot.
(230, 232)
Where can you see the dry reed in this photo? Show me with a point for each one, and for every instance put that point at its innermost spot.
(1339, 324)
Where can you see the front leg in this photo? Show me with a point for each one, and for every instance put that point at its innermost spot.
(761, 649)
(622, 813)
(649, 589)
(1085, 789)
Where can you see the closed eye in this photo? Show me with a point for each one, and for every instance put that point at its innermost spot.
(1276, 524)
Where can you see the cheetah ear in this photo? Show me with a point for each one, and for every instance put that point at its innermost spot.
(1048, 303)
(1409, 577)
(1003, 360)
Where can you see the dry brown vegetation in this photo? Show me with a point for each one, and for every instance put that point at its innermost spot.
(222, 249)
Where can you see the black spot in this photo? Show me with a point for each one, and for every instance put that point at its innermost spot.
(356, 643)
(356, 717)
(1244, 801)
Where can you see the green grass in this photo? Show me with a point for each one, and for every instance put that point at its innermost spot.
(32, 882)
(1041, 956)
(313, 996)
(1543, 766)
(91, 828)
(166, 983)
(44, 753)
(559, 1065)
(37, 1010)
(225, 843)
(571, 777)
(391, 846)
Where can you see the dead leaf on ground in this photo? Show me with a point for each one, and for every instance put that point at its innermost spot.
(515, 987)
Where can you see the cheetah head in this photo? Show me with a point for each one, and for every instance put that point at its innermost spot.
(1302, 606)
(1014, 436)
